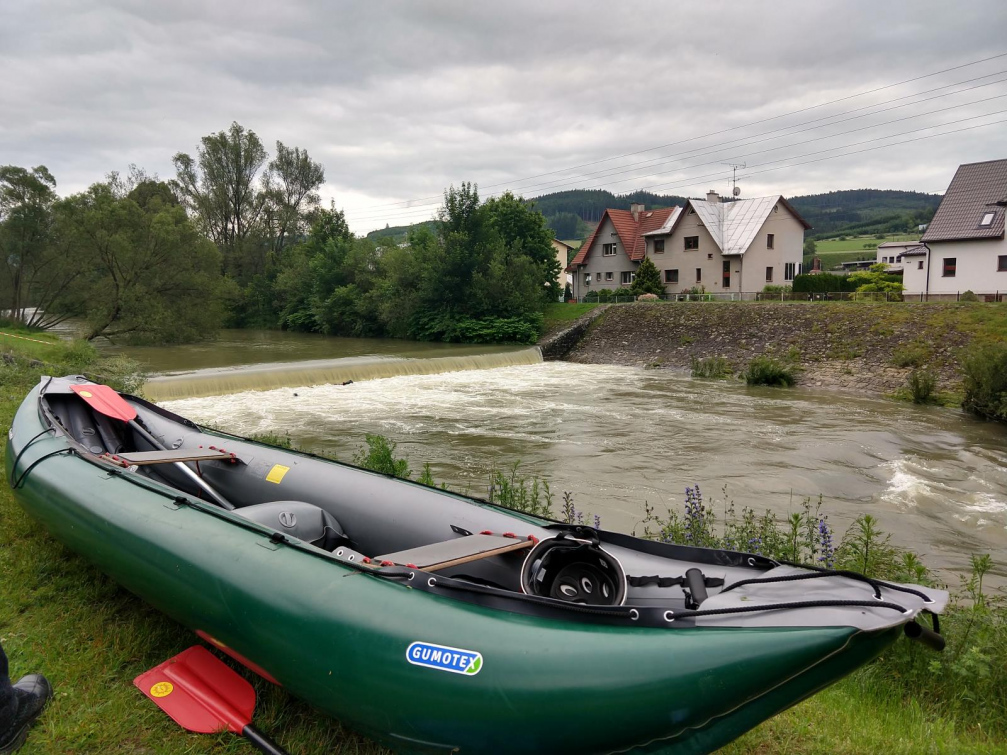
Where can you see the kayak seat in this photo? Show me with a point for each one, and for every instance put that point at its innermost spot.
(455, 552)
(299, 519)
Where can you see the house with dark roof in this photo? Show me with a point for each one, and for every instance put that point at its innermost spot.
(719, 246)
(963, 248)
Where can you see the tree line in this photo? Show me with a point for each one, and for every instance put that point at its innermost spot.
(240, 238)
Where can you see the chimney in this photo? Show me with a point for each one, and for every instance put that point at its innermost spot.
(712, 196)
(636, 208)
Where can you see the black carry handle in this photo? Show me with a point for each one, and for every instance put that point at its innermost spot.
(261, 742)
(928, 637)
(696, 583)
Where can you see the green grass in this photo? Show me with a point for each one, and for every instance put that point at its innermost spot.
(62, 617)
(20, 340)
(834, 252)
(559, 315)
(861, 244)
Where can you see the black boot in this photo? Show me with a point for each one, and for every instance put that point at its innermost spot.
(32, 693)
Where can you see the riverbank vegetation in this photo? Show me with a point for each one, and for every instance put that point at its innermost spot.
(240, 238)
(122, 257)
(64, 618)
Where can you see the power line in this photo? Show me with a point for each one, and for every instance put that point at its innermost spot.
(694, 181)
(416, 212)
(715, 133)
(868, 149)
(742, 142)
(746, 141)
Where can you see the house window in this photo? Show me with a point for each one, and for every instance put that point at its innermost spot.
(800, 268)
(608, 250)
(770, 240)
(788, 271)
(727, 274)
(899, 258)
(919, 265)
(608, 276)
(692, 242)
(710, 256)
(769, 274)
(699, 275)
(884, 259)
(1002, 263)
(671, 276)
(627, 277)
(950, 263)
(658, 246)
(587, 279)
(987, 219)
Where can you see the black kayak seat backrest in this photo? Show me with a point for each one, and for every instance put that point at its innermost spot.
(298, 519)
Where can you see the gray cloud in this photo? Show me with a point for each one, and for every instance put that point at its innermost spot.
(400, 99)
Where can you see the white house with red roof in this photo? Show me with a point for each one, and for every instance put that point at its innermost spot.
(717, 246)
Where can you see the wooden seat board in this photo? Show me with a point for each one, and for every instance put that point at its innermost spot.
(170, 456)
(458, 551)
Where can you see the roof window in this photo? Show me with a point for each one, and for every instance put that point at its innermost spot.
(987, 219)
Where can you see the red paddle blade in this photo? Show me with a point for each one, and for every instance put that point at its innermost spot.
(200, 692)
(104, 400)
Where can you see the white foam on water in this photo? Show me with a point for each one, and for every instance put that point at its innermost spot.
(904, 487)
(987, 504)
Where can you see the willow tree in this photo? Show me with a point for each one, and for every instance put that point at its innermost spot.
(34, 273)
(150, 275)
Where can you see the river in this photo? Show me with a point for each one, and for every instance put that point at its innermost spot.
(617, 437)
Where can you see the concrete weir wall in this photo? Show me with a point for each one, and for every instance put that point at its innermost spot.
(843, 345)
(556, 346)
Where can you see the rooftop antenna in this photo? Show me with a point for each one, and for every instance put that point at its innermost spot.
(735, 189)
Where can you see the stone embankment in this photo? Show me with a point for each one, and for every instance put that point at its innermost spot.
(558, 344)
(867, 348)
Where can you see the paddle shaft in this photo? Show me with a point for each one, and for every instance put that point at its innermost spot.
(203, 485)
(261, 742)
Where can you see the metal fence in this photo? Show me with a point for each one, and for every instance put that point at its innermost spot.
(866, 296)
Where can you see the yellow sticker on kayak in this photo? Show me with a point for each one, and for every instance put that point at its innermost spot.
(276, 473)
(85, 394)
(161, 689)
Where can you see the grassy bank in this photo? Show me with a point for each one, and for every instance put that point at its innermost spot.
(64, 618)
(557, 316)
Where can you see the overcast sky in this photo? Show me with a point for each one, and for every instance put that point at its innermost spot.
(400, 99)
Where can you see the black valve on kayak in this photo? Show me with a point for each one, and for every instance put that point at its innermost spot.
(928, 637)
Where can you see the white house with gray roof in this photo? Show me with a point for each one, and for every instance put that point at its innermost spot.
(728, 246)
(963, 248)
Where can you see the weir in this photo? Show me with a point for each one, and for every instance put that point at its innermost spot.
(264, 377)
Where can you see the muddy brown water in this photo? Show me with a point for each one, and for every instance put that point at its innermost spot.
(617, 437)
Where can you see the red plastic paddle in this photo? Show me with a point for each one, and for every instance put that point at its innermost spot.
(202, 694)
(105, 400)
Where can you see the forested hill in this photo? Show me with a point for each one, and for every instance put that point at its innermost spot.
(866, 211)
(572, 214)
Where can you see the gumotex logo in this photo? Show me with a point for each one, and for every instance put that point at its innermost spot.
(444, 658)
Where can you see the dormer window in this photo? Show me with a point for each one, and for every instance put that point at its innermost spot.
(987, 219)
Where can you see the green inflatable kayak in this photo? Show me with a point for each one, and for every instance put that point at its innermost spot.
(431, 621)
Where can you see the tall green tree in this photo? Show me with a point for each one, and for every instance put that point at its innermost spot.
(291, 186)
(33, 273)
(648, 279)
(149, 274)
(220, 188)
